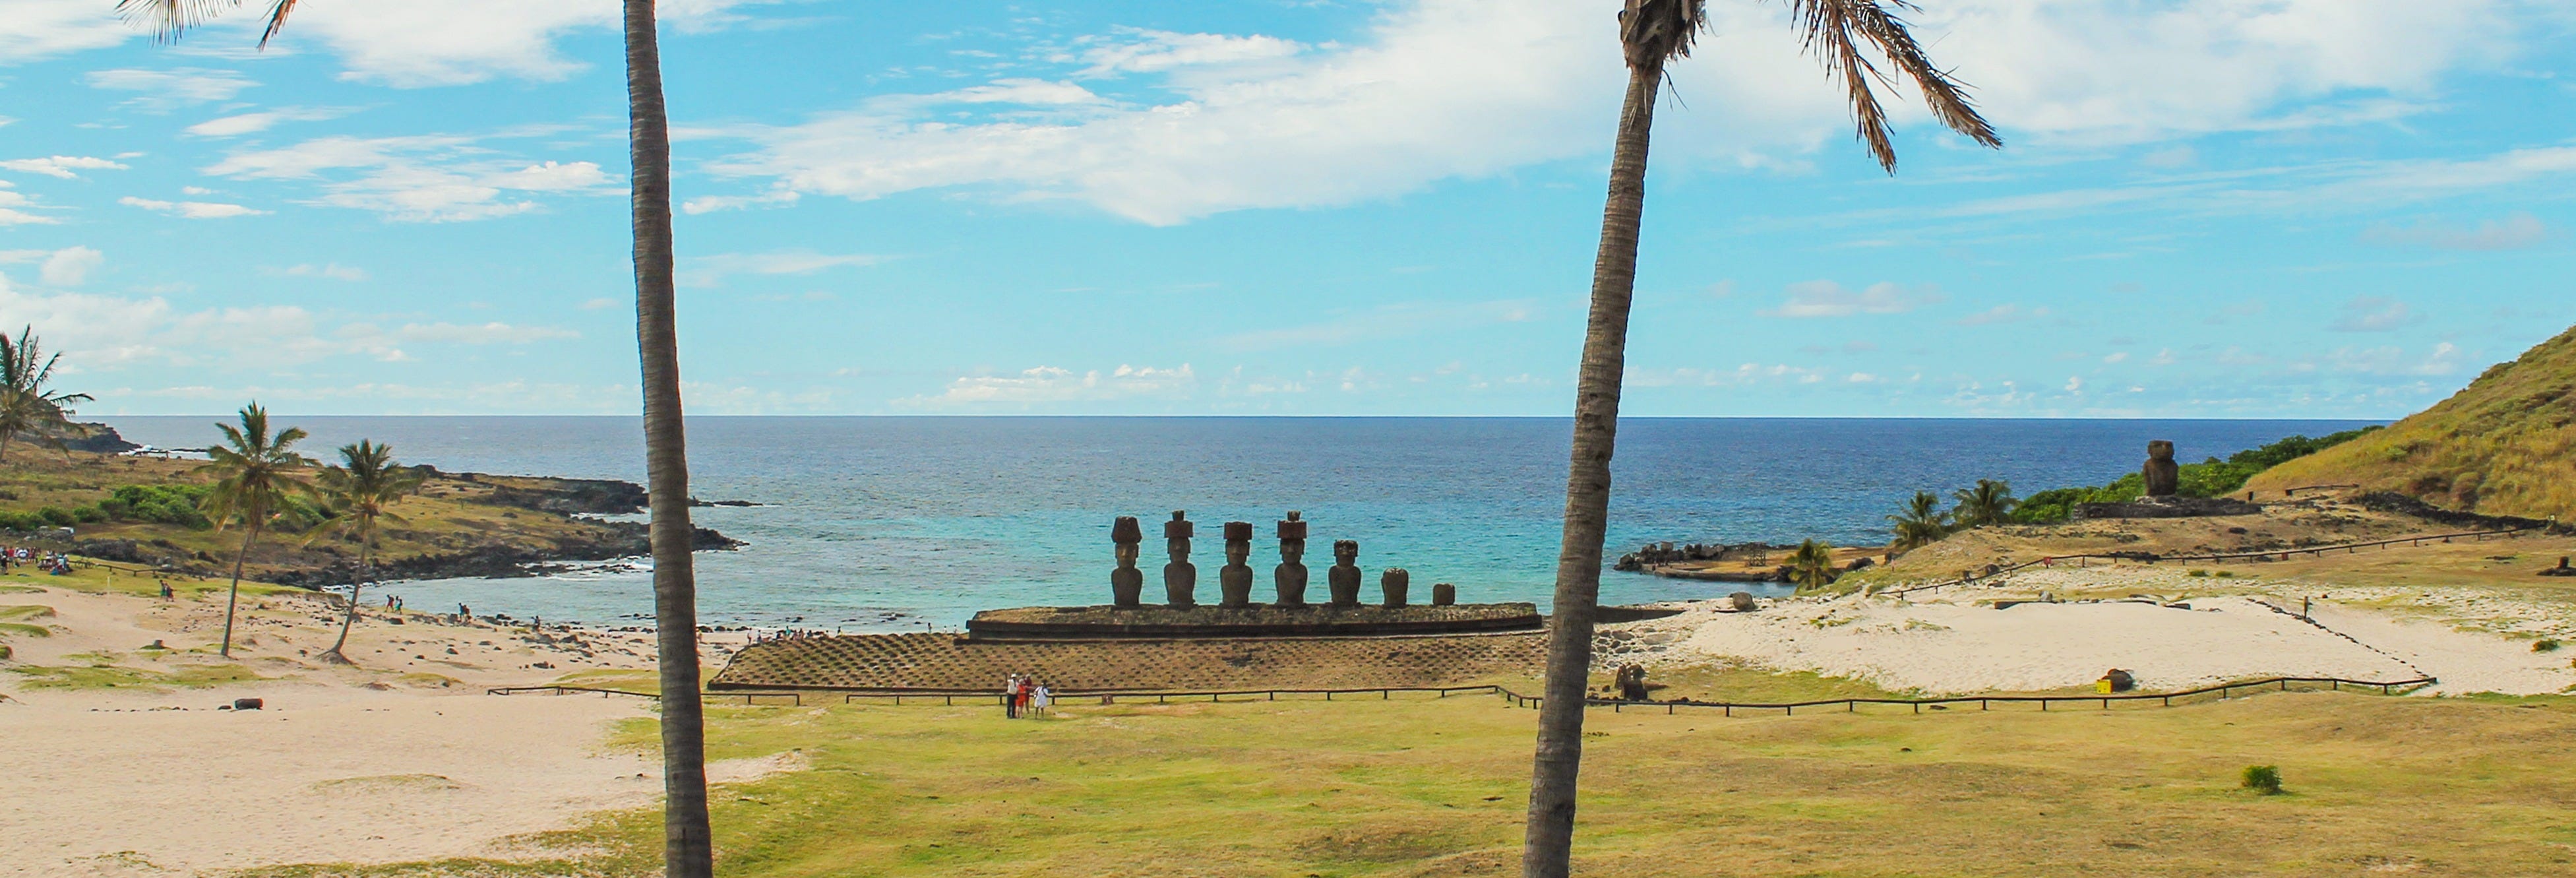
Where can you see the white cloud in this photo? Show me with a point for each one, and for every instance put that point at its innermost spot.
(1050, 384)
(10, 215)
(455, 42)
(163, 90)
(713, 203)
(250, 123)
(2374, 314)
(60, 166)
(426, 178)
(598, 304)
(1465, 88)
(190, 209)
(333, 271)
(1824, 298)
(708, 271)
(2515, 231)
(1154, 51)
(2003, 314)
(70, 266)
(34, 30)
(1391, 321)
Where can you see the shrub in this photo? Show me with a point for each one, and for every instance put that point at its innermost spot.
(2197, 572)
(165, 504)
(2265, 779)
(89, 514)
(57, 516)
(2545, 644)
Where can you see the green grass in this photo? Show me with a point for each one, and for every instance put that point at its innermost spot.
(22, 629)
(26, 611)
(103, 675)
(1437, 787)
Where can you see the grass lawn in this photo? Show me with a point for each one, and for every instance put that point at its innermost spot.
(2467, 786)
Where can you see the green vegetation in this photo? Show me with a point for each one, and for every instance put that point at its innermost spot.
(255, 474)
(1811, 566)
(27, 406)
(1439, 786)
(2504, 445)
(22, 629)
(102, 673)
(2545, 644)
(2265, 779)
(1921, 523)
(2208, 478)
(1990, 502)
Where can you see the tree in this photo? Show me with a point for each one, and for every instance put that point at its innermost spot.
(1990, 502)
(688, 850)
(1922, 523)
(1651, 33)
(1812, 565)
(27, 407)
(255, 476)
(358, 490)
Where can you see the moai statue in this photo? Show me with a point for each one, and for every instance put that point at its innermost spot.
(1126, 584)
(2163, 475)
(1180, 579)
(1443, 594)
(1344, 578)
(1234, 580)
(1291, 573)
(1395, 582)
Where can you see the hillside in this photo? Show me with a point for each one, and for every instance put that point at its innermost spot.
(2504, 445)
(142, 510)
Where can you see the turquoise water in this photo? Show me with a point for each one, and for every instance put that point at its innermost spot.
(880, 523)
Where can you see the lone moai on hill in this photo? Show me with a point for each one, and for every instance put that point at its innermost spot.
(1180, 580)
(1126, 584)
(1443, 594)
(2162, 474)
(1344, 578)
(1291, 573)
(1234, 580)
(1395, 582)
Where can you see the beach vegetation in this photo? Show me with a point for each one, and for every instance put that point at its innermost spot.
(2545, 644)
(106, 675)
(2213, 477)
(1811, 565)
(29, 406)
(1990, 502)
(359, 491)
(255, 475)
(1921, 523)
(22, 629)
(1842, 35)
(2264, 779)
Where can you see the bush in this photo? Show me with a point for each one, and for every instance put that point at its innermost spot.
(2545, 644)
(164, 504)
(89, 514)
(57, 516)
(2198, 572)
(2265, 779)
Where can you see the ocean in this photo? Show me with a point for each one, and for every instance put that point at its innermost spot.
(893, 523)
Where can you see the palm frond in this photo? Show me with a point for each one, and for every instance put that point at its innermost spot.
(1834, 29)
(1656, 31)
(168, 19)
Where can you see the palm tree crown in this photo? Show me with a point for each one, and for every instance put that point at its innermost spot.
(1812, 565)
(1987, 503)
(1921, 523)
(27, 406)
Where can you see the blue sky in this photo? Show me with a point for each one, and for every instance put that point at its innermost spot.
(2205, 208)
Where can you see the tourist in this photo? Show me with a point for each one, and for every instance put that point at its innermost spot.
(166, 594)
(1010, 696)
(1039, 699)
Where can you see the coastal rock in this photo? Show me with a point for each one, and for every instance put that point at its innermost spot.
(625, 539)
(568, 496)
(97, 439)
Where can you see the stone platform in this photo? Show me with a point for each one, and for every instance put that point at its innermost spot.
(949, 663)
(1156, 622)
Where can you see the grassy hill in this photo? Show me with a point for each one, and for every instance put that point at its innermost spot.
(2504, 445)
(142, 510)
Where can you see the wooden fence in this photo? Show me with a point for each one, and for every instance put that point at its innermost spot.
(1983, 702)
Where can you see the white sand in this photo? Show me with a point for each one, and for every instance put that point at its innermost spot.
(1948, 644)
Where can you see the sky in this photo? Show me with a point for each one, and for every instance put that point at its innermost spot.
(2204, 208)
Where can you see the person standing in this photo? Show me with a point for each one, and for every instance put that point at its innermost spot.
(1040, 699)
(1010, 696)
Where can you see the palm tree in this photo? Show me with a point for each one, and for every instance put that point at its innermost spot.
(255, 474)
(688, 850)
(359, 489)
(1651, 33)
(1922, 523)
(1812, 565)
(26, 405)
(1987, 503)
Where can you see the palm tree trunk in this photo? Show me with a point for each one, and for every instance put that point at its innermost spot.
(687, 849)
(1549, 838)
(249, 535)
(366, 571)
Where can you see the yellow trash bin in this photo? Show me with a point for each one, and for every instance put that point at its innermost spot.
(2102, 685)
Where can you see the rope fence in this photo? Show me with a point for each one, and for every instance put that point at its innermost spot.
(1983, 702)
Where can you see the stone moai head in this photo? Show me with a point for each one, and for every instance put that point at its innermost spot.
(1238, 541)
(1395, 583)
(1443, 594)
(1292, 537)
(1176, 533)
(1127, 535)
(2160, 449)
(1346, 551)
